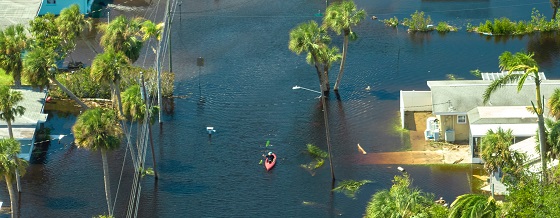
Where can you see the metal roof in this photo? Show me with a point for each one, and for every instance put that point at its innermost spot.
(18, 12)
(461, 96)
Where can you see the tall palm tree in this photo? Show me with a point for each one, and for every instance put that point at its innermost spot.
(107, 67)
(9, 107)
(474, 206)
(310, 38)
(9, 164)
(497, 155)
(39, 68)
(124, 35)
(70, 24)
(99, 129)
(340, 17)
(13, 41)
(524, 62)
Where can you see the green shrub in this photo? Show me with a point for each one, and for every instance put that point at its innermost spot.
(503, 26)
(418, 22)
(392, 22)
(444, 27)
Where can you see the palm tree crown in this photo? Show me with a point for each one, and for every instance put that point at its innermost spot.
(9, 107)
(13, 42)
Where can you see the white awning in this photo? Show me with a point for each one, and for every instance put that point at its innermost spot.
(522, 129)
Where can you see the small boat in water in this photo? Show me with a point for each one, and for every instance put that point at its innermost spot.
(269, 164)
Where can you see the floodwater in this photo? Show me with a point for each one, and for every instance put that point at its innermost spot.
(244, 90)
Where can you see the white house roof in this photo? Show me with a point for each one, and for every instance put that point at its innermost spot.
(18, 12)
(520, 129)
(461, 96)
(527, 147)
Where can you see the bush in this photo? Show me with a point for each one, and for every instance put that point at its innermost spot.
(392, 22)
(444, 27)
(418, 22)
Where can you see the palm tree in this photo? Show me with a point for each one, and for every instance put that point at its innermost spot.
(9, 164)
(553, 137)
(554, 104)
(401, 201)
(9, 107)
(70, 24)
(496, 153)
(340, 17)
(13, 41)
(99, 129)
(124, 35)
(474, 206)
(524, 62)
(106, 68)
(39, 68)
(310, 38)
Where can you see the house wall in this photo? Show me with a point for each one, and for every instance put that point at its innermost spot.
(414, 101)
(55, 6)
(448, 122)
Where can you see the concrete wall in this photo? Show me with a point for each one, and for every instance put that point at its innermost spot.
(414, 101)
(55, 6)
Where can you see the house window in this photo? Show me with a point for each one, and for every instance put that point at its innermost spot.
(51, 2)
(461, 119)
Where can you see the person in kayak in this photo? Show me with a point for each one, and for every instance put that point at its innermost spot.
(269, 157)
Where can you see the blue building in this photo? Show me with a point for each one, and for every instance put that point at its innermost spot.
(55, 6)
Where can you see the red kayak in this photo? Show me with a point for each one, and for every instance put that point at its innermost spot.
(269, 165)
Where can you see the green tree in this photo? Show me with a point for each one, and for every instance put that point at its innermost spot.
(127, 35)
(39, 68)
(70, 25)
(9, 107)
(524, 62)
(496, 153)
(99, 129)
(530, 199)
(106, 68)
(9, 164)
(474, 206)
(13, 42)
(340, 17)
(403, 201)
(311, 39)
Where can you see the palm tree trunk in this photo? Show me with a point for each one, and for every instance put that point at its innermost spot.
(326, 78)
(542, 142)
(327, 135)
(106, 180)
(13, 201)
(342, 61)
(118, 94)
(320, 75)
(542, 136)
(69, 93)
(10, 131)
(554, 4)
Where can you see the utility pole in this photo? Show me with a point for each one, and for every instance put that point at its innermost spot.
(169, 38)
(148, 120)
(158, 67)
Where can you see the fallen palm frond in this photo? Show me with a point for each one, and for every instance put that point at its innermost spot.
(350, 187)
(316, 152)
